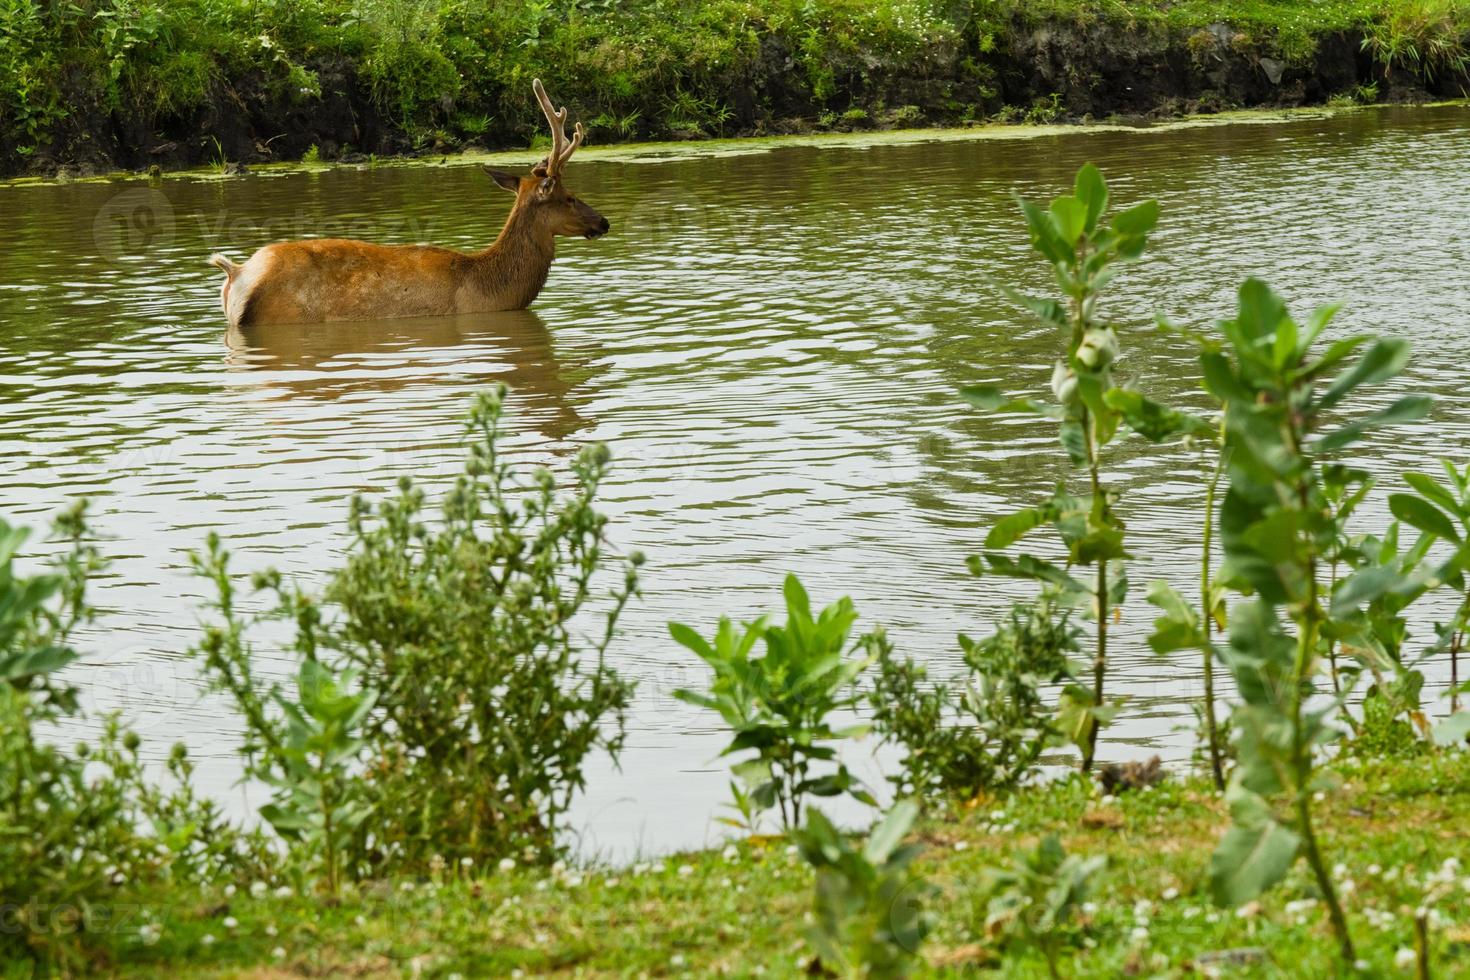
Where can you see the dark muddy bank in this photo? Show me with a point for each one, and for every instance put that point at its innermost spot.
(1052, 72)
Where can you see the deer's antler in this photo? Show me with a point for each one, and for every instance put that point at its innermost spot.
(561, 147)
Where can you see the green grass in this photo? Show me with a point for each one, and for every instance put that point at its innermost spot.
(739, 909)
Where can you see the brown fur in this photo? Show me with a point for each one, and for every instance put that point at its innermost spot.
(323, 280)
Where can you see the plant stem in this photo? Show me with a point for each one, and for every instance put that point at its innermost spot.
(1307, 625)
(1421, 943)
(1212, 730)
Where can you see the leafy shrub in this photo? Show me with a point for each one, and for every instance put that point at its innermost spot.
(1031, 902)
(468, 633)
(986, 730)
(779, 704)
(867, 906)
(1275, 527)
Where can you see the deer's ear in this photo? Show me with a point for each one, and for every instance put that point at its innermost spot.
(510, 182)
(548, 185)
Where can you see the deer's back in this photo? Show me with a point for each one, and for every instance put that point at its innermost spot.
(337, 279)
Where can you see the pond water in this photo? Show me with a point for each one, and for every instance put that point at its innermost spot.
(770, 341)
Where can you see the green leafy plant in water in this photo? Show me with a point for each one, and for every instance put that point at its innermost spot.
(1085, 254)
(868, 906)
(986, 730)
(1031, 902)
(1277, 526)
(779, 704)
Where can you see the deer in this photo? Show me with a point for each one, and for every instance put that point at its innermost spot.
(326, 280)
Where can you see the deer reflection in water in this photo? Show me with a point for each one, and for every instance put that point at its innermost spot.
(344, 360)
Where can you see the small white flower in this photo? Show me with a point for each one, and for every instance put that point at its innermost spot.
(572, 880)
(1139, 935)
(1404, 958)
(1318, 796)
(641, 868)
(1374, 870)
(258, 889)
(791, 850)
(360, 921)
(677, 960)
(611, 882)
(283, 892)
(1170, 894)
(1089, 908)
(659, 867)
(730, 853)
(1347, 886)
(507, 864)
(961, 845)
(406, 886)
(229, 891)
(149, 933)
(558, 867)
(279, 953)
(1339, 870)
(541, 885)
(1361, 966)
(206, 940)
(997, 814)
(1248, 911)
(270, 929)
(1108, 799)
(466, 862)
(231, 923)
(685, 870)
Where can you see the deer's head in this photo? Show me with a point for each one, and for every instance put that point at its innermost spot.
(542, 195)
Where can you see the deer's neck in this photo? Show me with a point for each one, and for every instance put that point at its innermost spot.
(510, 273)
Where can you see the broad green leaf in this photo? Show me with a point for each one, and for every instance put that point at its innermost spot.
(1178, 628)
(1406, 409)
(1431, 490)
(1249, 860)
(1380, 362)
(1260, 314)
(1153, 421)
(1044, 237)
(1025, 566)
(1220, 378)
(1420, 513)
(1137, 220)
(1049, 310)
(890, 832)
(990, 399)
(1009, 529)
(1070, 217)
(31, 663)
(1362, 587)
(1092, 191)
(687, 637)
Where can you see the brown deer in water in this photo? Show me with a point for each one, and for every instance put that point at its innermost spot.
(318, 280)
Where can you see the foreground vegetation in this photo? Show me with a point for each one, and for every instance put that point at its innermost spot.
(452, 679)
(141, 82)
(1398, 832)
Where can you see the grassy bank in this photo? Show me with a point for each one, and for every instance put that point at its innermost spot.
(739, 909)
(103, 83)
